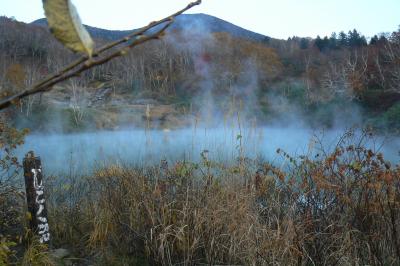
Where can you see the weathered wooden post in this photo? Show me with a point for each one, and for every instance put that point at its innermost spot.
(35, 197)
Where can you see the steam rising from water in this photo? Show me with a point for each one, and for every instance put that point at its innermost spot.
(81, 152)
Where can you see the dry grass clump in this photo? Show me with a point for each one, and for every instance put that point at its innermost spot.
(175, 220)
(36, 254)
(188, 214)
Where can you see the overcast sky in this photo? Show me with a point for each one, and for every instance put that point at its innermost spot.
(275, 18)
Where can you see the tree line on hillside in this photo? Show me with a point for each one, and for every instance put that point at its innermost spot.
(353, 39)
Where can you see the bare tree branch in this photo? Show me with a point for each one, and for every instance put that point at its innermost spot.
(84, 63)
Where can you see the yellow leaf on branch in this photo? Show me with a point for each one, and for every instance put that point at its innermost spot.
(66, 26)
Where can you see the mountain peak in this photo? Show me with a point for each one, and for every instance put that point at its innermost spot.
(194, 22)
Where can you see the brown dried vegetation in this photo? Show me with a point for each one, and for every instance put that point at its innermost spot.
(339, 208)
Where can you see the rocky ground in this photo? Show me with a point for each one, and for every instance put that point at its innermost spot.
(101, 107)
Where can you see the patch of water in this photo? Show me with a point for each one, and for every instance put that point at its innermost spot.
(81, 152)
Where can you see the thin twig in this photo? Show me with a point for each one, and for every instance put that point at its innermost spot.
(84, 63)
(90, 64)
(142, 30)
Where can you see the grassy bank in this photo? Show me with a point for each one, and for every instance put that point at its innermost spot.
(339, 208)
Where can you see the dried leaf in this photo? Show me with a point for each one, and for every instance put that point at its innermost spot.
(66, 26)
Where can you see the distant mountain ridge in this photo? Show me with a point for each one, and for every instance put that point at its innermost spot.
(94, 32)
(193, 22)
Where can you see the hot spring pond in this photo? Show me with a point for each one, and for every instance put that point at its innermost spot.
(80, 153)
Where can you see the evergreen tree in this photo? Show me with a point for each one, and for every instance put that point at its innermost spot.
(343, 40)
(363, 41)
(333, 41)
(325, 43)
(395, 37)
(374, 40)
(318, 43)
(304, 43)
(382, 39)
(355, 39)
(322, 44)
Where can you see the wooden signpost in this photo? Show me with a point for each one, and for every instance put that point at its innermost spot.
(35, 197)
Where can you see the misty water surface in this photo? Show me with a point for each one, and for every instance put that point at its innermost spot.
(62, 153)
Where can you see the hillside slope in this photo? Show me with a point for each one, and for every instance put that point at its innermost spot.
(205, 66)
